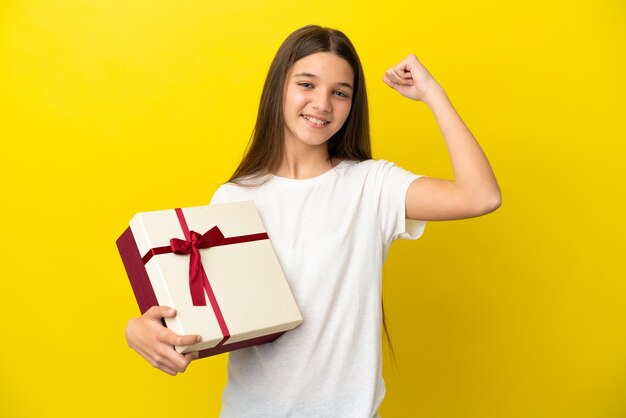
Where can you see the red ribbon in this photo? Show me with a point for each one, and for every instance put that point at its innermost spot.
(197, 276)
(198, 280)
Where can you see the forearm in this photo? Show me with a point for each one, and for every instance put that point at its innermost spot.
(474, 179)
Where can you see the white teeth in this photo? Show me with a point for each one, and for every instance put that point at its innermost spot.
(315, 121)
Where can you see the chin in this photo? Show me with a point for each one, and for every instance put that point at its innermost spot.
(315, 142)
(311, 141)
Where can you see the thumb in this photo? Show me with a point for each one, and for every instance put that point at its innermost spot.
(158, 312)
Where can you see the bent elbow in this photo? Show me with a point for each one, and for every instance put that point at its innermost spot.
(497, 202)
(486, 204)
(492, 203)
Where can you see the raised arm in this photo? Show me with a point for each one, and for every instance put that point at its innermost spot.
(474, 190)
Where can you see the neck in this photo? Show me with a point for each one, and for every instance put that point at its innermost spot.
(301, 161)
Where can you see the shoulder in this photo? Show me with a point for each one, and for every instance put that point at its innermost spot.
(240, 189)
(367, 167)
(374, 176)
(221, 194)
(225, 193)
(363, 164)
(382, 176)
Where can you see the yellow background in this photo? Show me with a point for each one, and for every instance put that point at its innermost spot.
(113, 107)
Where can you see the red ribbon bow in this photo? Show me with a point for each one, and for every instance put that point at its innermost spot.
(197, 276)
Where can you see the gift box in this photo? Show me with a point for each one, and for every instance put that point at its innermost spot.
(216, 266)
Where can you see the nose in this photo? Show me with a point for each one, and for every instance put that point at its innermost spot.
(321, 102)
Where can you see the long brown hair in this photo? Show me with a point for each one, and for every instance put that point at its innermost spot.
(352, 141)
(265, 149)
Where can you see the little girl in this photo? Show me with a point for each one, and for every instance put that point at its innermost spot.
(331, 212)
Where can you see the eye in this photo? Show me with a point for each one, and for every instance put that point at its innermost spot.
(305, 84)
(341, 94)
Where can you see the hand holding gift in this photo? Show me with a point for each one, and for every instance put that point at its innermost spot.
(155, 343)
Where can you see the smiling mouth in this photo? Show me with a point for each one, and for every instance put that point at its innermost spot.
(316, 121)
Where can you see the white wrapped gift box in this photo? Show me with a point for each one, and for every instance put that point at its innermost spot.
(248, 300)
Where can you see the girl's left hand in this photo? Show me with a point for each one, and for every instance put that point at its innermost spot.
(410, 78)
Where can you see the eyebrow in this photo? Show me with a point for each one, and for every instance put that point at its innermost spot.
(310, 75)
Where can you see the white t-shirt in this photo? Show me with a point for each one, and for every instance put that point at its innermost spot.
(331, 234)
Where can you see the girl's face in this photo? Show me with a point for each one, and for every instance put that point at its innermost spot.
(318, 97)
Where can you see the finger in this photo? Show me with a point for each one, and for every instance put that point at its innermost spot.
(393, 77)
(388, 81)
(158, 312)
(187, 339)
(168, 353)
(182, 361)
(158, 357)
(397, 87)
(189, 357)
(403, 77)
(167, 370)
(166, 357)
(195, 355)
(169, 337)
(410, 62)
(159, 362)
(396, 78)
(402, 71)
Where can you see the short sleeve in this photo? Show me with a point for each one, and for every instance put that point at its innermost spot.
(394, 183)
